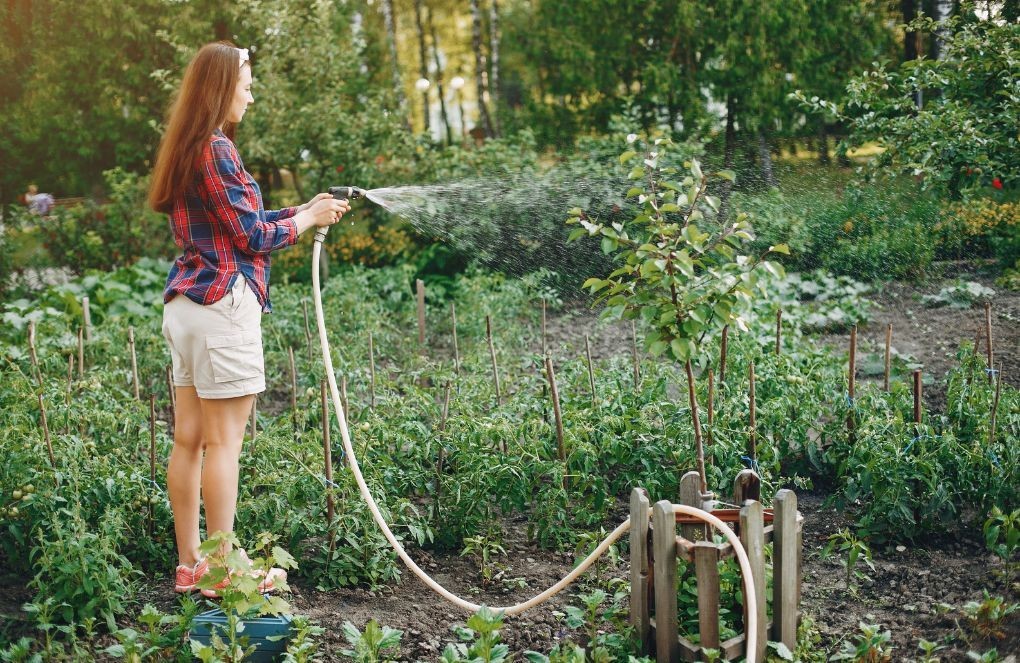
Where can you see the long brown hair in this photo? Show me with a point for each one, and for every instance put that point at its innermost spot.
(199, 107)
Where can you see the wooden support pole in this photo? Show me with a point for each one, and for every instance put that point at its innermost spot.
(327, 451)
(561, 450)
(852, 367)
(419, 286)
(706, 569)
(492, 354)
(441, 459)
(293, 390)
(752, 537)
(545, 350)
(32, 353)
(711, 411)
(86, 315)
(634, 355)
(753, 423)
(343, 398)
(591, 369)
(692, 399)
(888, 356)
(722, 354)
(81, 354)
(134, 363)
(70, 378)
(995, 405)
(371, 371)
(308, 329)
(917, 397)
(786, 582)
(456, 349)
(667, 645)
(152, 451)
(690, 493)
(779, 330)
(640, 583)
(46, 431)
(988, 338)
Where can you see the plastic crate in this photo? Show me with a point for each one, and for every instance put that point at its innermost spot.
(257, 630)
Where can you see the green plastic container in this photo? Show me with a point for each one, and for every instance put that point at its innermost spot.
(257, 630)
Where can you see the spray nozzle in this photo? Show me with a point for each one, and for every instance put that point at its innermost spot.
(348, 192)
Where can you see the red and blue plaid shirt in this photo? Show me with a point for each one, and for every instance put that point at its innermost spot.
(223, 230)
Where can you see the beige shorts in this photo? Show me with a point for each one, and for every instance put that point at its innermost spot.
(217, 348)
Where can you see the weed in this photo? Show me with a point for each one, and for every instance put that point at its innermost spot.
(371, 645)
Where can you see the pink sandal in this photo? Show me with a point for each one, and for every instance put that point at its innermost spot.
(188, 576)
(269, 583)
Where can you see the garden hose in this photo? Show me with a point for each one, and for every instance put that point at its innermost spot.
(745, 566)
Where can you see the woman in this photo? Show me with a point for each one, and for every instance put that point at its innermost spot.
(216, 293)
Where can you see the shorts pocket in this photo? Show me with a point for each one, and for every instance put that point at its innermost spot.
(235, 356)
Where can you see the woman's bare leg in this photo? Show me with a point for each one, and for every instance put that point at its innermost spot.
(184, 473)
(223, 425)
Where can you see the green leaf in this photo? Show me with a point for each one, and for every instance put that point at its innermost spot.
(727, 175)
(576, 234)
(608, 245)
(780, 248)
(627, 156)
(634, 191)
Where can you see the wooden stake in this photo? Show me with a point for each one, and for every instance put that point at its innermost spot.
(693, 400)
(170, 391)
(81, 354)
(441, 460)
(46, 432)
(134, 362)
(456, 350)
(308, 329)
(420, 287)
(753, 436)
(70, 376)
(545, 351)
(591, 370)
(852, 369)
(988, 338)
(343, 398)
(254, 419)
(492, 354)
(779, 330)
(917, 396)
(371, 371)
(561, 450)
(995, 405)
(634, 355)
(86, 318)
(293, 389)
(327, 450)
(152, 451)
(722, 354)
(711, 407)
(888, 355)
(32, 353)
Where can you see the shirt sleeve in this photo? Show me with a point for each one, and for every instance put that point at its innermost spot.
(274, 215)
(236, 206)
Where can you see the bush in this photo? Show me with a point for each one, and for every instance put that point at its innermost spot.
(980, 227)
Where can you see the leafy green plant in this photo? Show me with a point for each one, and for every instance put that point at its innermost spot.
(370, 645)
(480, 640)
(871, 645)
(1002, 536)
(960, 295)
(987, 617)
(856, 550)
(483, 548)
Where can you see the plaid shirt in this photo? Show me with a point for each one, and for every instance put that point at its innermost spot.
(220, 224)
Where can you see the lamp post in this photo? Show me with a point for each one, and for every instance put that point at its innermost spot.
(457, 83)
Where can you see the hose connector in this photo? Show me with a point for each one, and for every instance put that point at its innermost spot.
(348, 192)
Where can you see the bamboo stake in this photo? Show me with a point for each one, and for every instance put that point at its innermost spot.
(634, 355)
(561, 449)
(852, 369)
(46, 432)
(995, 405)
(988, 338)
(420, 287)
(170, 390)
(917, 397)
(456, 350)
(32, 352)
(492, 354)
(327, 449)
(888, 355)
(293, 389)
(86, 318)
(308, 330)
(371, 371)
(343, 398)
(134, 362)
(591, 371)
(711, 408)
(545, 350)
(754, 417)
(693, 400)
(722, 354)
(81, 354)
(441, 460)
(152, 451)
(70, 377)
(779, 330)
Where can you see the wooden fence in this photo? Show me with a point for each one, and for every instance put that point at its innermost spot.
(655, 548)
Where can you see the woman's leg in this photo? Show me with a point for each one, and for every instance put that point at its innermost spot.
(184, 473)
(223, 424)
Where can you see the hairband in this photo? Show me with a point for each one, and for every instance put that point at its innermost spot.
(243, 53)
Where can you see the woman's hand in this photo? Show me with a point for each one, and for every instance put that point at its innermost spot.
(323, 210)
(317, 198)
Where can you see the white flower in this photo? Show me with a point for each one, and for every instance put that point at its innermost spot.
(631, 138)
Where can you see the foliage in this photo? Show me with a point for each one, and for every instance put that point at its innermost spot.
(370, 645)
(979, 226)
(1002, 534)
(959, 294)
(856, 550)
(960, 139)
(480, 641)
(987, 617)
(870, 646)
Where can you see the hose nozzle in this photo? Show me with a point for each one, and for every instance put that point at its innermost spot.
(348, 192)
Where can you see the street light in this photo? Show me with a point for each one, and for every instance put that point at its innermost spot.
(457, 83)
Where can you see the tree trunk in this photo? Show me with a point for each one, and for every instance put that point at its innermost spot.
(823, 144)
(909, 8)
(439, 75)
(423, 65)
(494, 63)
(390, 19)
(765, 156)
(476, 45)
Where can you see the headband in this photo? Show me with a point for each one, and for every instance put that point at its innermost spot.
(243, 54)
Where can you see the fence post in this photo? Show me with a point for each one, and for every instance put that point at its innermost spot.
(706, 568)
(785, 583)
(690, 495)
(667, 644)
(747, 486)
(752, 537)
(639, 617)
